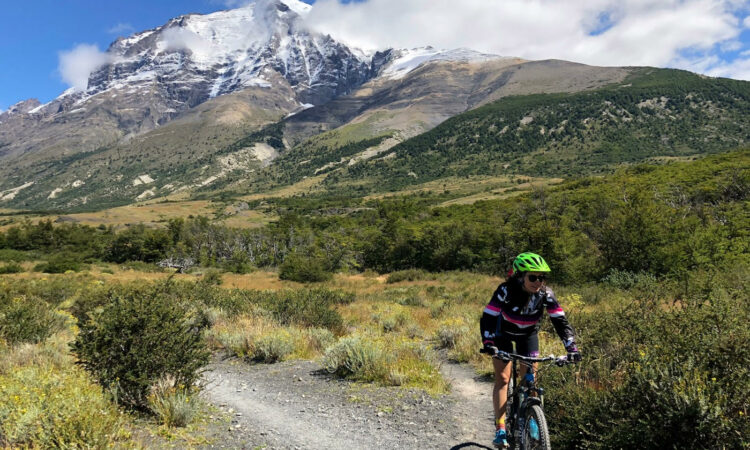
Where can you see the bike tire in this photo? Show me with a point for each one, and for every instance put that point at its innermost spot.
(510, 406)
(536, 433)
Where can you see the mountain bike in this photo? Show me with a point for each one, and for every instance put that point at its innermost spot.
(524, 413)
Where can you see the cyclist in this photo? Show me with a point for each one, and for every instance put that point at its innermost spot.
(513, 315)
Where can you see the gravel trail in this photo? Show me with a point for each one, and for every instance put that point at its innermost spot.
(297, 405)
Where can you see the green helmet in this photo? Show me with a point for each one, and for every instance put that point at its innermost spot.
(530, 262)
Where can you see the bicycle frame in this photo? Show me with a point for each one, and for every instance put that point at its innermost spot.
(523, 397)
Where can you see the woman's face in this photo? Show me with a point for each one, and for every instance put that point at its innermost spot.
(532, 287)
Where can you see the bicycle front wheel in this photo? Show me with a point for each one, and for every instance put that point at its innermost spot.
(536, 434)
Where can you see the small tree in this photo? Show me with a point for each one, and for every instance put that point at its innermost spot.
(140, 336)
(304, 269)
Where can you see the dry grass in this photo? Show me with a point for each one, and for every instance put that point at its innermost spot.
(259, 280)
(149, 213)
(248, 219)
(309, 184)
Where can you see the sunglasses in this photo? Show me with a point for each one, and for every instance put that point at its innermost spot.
(535, 278)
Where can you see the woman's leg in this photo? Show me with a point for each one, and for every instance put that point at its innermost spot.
(500, 389)
(528, 347)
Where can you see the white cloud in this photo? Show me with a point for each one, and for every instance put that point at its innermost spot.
(122, 29)
(746, 22)
(739, 69)
(182, 39)
(76, 65)
(599, 32)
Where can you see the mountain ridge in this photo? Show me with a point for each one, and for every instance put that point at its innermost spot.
(183, 108)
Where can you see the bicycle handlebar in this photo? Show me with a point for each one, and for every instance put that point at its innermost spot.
(505, 356)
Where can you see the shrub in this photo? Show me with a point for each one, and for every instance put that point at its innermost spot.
(91, 300)
(319, 339)
(448, 334)
(60, 264)
(274, 347)
(240, 334)
(622, 279)
(10, 255)
(357, 358)
(398, 363)
(305, 307)
(11, 267)
(27, 319)
(239, 263)
(172, 404)
(406, 275)
(304, 269)
(140, 336)
(212, 278)
(678, 373)
(45, 408)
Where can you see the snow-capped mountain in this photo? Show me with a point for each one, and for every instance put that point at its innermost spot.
(175, 105)
(155, 76)
(193, 58)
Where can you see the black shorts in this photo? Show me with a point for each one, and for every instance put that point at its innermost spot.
(525, 345)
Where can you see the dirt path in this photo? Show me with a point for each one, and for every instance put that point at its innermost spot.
(296, 405)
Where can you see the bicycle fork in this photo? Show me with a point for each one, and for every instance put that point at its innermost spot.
(522, 403)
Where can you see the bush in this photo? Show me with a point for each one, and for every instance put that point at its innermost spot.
(274, 347)
(212, 277)
(319, 339)
(406, 275)
(11, 267)
(627, 280)
(45, 408)
(140, 336)
(9, 255)
(172, 404)
(449, 333)
(27, 319)
(305, 307)
(678, 373)
(60, 264)
(304, 269)
(357, 358)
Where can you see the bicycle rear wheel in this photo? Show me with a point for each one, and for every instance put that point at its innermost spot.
(536, 434)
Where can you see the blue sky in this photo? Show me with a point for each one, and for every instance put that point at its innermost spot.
(705, 36)
(33, 32)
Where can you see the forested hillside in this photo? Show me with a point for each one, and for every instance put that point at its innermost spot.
(654, 113)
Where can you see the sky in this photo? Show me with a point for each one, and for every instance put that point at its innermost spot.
(47, 46)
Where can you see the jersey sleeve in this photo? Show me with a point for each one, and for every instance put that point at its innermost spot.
(490, 316)
(559, 321)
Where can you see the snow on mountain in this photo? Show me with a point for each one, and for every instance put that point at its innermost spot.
(407, 60)
(194, 57)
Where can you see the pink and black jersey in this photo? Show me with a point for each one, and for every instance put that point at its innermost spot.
(514, 313)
